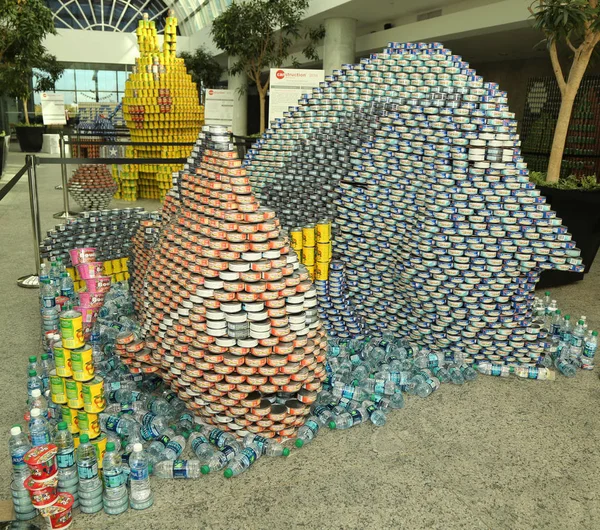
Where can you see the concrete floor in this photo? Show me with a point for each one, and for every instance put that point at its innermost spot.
(495, 454)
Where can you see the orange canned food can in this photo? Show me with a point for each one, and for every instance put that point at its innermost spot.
(296, 238)
(70, 416)
(74, 394)
(82, 363)
(323, 231)
(93, 395)
(321, 271)
(62, 360)
(324, 251)
(308, 255)
(58, 389)
(88, 424)
(308, 235)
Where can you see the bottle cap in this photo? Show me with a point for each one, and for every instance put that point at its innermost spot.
(15, 430)
(35, 412)
(110, 446)
(83, 439)
(299, 443)
(32, 373)
(62, 426)
(32, 358)
(36, 392)
(228, 473)
(286, 451)
(137, 447)
(205, 470)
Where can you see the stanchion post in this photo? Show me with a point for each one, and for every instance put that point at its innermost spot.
(63, 173)
(31, 281)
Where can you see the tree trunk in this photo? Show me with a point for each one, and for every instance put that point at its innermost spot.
(578, 68)
(262, 95)
(25, 110)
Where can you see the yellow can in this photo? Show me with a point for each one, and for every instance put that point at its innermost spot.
(296, 238)
(324, 252)
(100, 445)
(311, 271)
(323, 231)
(70, 416)
(308, 255)
(308, 235)
(62, 360)
(93, 395)
(322, 270)
(74, 394)
(71, 329)
(58, 390)
(82, 363)
(88, 424)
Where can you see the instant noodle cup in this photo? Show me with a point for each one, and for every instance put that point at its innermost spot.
(82, 255)
(90, 270)
(41, 461)
(42, 494)
(101, 284)
(94, 400)
(94, 300)
(60, 513)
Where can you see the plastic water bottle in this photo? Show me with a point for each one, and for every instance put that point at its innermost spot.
(200, 445)
(18, 445)
(349, 419)
(38, 401)
(87, 466)
(220, 438)
(266, 446)
(65, 455)
(38, 428)
(241, 462)
(219, 459)
(499, 370)
(112, 474)
(565, 367)
(307, 432)
(140, 493)
(177, 469)
(556, 325)
(121, 426)
(589, 350)
(566, 329)
(33, 382)
(67, 287)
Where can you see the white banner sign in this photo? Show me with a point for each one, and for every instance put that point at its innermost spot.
(287, 87)
(53, 109)
(218, 107)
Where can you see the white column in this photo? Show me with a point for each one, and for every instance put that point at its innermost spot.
(340, 43)
(240, 101)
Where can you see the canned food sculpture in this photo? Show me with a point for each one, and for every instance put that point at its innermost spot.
(161, 105)
(441, 234)
(92, 186)
(231, 313)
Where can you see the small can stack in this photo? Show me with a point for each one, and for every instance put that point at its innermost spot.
(312, 243)
(92, 186)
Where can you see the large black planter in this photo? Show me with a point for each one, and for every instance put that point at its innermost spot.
(580, 213)
(30, 138)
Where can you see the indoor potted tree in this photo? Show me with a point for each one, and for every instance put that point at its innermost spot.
(574, 24)
(260, 35)
(25, 64)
